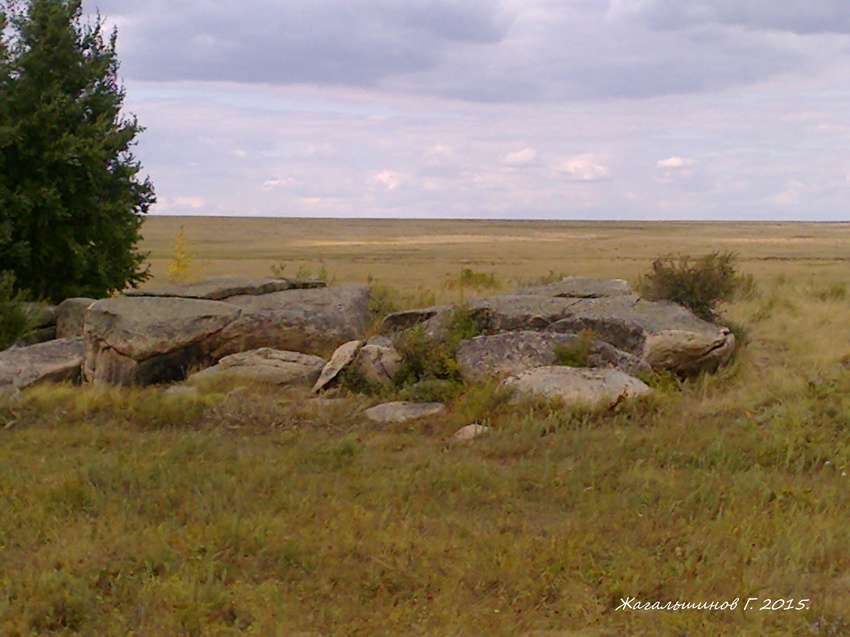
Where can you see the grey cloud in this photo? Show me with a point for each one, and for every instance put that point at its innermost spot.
(486, 51)
(322, 41)
(794, 16)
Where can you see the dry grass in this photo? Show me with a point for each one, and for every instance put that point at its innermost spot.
(125, 512)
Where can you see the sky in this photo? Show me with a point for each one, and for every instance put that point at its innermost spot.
(509, 109)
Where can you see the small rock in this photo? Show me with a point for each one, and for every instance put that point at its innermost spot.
(378, 364)
(403, 411)
(469, 432)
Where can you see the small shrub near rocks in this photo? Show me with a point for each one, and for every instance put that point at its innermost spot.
(575, 353)
(428, 358)
(15, 321)
(699, 284)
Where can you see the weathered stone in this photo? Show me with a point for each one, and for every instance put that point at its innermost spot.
(470, 432)
(668, 336)
(400, 321)
(509, 353)
(581, 287)
(219, 288)
(57, 360)
(70, 315)
(380, 340)
(403, 411)
(313, 321)
(151, 339)
(264, 365)
(378, 364)
(342, 358)
(579, 386)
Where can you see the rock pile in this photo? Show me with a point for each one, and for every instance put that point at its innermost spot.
(281, 331)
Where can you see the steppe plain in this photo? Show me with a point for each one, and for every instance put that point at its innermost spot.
(123, 512)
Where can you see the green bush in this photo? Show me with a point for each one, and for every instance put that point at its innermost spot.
(429, 358)
(15, 321)
(699, 284)
(576, 352)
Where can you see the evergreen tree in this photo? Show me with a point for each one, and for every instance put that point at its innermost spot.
(71, 200)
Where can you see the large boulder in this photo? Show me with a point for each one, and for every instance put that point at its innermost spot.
(312, 321)
(668, 336)
(222, 287)
(151, 339)
(264, 365)
(509, 353)
(58, 360)
(591, 388)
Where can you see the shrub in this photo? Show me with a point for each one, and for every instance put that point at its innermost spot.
(15, 321)
(697, 283)
(576, 352)
(430, 358)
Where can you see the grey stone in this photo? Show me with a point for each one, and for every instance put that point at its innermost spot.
(668, 336)
(509, 353)
(219, 288)
(470, 432)
(57, 360)
(70, 315)
(396, 412)
(400, 321)
(342, 357)
(581, 287)
(378, 364)
(264, 365)
(313, 321)
(151, 339)
(592, 388)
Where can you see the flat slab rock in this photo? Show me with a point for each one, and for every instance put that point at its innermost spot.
(403, 411)
(312, 321)
(263, 365)
(58, 360)
(593, 388)
(342, 357)
(218, 288)
(582, 287)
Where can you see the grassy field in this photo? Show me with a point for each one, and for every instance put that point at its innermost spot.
(254, 512)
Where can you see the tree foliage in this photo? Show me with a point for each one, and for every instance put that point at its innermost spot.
(71, 199)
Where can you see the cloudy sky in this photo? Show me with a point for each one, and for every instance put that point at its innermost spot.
(553, 109)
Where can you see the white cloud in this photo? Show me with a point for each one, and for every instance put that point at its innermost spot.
(674, 162)
(524, 157)
(585, 168)
(389, 179)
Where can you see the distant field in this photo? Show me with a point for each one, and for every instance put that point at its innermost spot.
(127, 511)
(416, 253)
